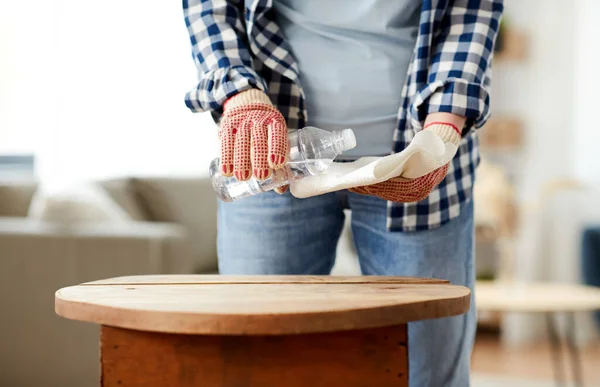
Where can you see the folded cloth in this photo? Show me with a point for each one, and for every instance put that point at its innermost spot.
(425, 153)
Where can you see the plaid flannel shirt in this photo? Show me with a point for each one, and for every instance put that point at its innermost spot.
(236, 46)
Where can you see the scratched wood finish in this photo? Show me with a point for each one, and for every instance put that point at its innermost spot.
(279, 308)
(363, 358)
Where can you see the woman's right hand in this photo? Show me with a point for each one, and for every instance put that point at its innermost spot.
(253, 136)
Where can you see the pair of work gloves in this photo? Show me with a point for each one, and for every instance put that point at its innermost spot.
(254, 142)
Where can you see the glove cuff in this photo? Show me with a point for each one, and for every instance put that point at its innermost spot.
(247, 97)
(447, 132)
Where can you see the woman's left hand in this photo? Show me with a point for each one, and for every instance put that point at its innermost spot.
(405, 190)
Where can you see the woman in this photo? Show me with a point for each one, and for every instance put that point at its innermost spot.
(386, 69)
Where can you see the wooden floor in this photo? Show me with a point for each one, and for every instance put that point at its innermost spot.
(531, 362)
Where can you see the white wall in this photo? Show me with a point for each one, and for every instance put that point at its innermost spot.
(555, 90)
(539, 90)
(26, 103)
(586, 142)
(97, 89)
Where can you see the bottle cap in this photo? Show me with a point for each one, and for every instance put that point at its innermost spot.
(348, 139)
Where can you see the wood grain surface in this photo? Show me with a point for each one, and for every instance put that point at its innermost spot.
(276, 308)
(260, 279)
(365, 358)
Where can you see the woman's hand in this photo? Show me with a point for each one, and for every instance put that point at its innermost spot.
(253, 136)
(403, 190)
(448, 127)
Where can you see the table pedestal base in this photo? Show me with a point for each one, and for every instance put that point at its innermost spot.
(365, 358)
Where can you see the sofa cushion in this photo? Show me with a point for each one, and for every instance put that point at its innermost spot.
(121, 190)
(82, 203)
(15, 198)
(190, 202)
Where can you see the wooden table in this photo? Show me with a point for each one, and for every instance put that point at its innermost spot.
(547, 298)
(257, 331)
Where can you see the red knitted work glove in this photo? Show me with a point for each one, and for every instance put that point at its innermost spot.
(404, 190)
(254, 137)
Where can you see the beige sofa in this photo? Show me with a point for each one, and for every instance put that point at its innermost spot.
(171, 228)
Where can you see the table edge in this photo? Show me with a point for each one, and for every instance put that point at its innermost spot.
(263, 324)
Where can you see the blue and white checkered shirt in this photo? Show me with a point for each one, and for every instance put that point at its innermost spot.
(236, 46)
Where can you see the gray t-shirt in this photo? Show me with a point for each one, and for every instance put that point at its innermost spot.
(353, 56)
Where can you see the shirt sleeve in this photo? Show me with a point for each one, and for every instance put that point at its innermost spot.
(458, 80)
(218, 38)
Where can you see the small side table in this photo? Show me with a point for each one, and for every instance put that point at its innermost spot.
(549, 299)
(258, 331)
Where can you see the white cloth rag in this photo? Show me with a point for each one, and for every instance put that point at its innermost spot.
(425, 153)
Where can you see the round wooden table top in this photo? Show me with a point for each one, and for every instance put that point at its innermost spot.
(536, 297)
(259, 305)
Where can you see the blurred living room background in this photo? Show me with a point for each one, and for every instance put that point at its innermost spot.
(103, 173)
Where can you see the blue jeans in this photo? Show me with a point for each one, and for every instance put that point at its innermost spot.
(279, 234)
